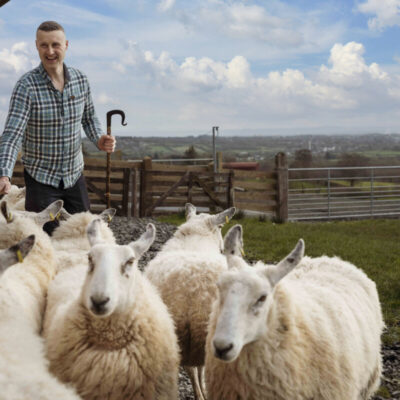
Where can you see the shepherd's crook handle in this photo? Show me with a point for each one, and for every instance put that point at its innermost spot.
(110, 114)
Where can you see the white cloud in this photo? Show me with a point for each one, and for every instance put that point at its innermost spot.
(105, 99)
(387, 13)
(165, 5)
(69, 14)
(273, 27)
(18, 59)
(347, 85)
(349, 68)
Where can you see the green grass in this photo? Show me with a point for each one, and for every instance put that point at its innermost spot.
(372, 245)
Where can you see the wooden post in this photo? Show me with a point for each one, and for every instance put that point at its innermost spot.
(282, 187)
(229, 190)
(125, 192)
(145, 184)
(134, 184)
(190, 188)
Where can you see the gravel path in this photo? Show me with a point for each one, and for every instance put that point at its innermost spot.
(128, 229)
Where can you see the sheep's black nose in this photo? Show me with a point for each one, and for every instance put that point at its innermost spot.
(221, 352)
(99, 303)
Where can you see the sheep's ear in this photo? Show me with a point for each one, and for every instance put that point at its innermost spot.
(287, 264)
(63, 215)
(108, 214)
(223, 217)
(22, 191)
(6, 213)
(16, 253)
(50, 213)
(93, 232)
(233, 241)
(145, 241)
(190, 211)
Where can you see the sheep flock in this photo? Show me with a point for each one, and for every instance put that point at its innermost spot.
(79, 319)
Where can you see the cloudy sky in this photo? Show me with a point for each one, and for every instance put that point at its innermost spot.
(179, 67)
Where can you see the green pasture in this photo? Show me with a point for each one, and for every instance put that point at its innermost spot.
(372, 245)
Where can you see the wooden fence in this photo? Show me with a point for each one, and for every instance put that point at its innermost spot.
(144, 188)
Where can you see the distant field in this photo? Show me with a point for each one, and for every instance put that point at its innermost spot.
(372, 245)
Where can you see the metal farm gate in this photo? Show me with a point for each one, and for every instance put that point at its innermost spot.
(343, 192)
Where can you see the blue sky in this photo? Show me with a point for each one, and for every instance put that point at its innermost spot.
(179, 67)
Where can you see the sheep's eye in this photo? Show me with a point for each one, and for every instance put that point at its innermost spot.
(130, 261)
(125, 267)
(91, 263)
(233, 252)
(261, 299)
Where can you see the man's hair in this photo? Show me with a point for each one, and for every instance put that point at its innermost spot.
(49, 26)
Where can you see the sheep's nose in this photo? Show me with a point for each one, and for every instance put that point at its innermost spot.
(99, 303)
(222, 349)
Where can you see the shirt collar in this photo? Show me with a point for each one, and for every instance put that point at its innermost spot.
(44, 74)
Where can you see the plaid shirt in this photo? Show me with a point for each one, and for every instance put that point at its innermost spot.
(48, 123)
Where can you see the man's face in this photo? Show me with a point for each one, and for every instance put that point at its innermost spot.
(51, 47)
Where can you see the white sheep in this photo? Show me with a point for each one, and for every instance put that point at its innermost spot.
(23, 367)
(16, 253)
(50, 213)
(185, 271)
(313, 335)
(70, 240)
(107, 330)
(15, 198)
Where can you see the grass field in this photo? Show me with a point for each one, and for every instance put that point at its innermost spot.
(373, 245)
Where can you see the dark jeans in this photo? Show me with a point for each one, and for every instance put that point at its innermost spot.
(39, 196)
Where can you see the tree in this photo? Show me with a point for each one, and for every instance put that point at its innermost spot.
(302, 159)
(354, 160)
(191, 152)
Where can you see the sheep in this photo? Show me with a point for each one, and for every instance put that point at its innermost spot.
(185, 272)
(50, 213)
(106, 328)
(24, 370)
(313, 333)
(16, 253)
(71, 235)
(15, 198)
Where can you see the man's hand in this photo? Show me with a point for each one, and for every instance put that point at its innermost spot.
(5, 185)
(106, 143)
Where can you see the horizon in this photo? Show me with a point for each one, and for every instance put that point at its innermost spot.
(328, 67)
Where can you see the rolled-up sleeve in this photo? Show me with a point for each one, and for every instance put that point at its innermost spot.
(90, 123)
(17, 119)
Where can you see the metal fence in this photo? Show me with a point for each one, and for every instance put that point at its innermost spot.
(343, 192)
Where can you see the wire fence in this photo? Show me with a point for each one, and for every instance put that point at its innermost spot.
(341, 192)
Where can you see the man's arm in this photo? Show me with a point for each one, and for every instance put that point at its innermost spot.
(14, 130)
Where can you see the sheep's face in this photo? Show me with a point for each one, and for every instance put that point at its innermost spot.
(242, 311)
(16, 253)
(205, 224)
(245, 297)
(50, 213)
(110, 276)
(108, 279)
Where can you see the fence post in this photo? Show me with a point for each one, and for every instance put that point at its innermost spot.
(229, 190)
(282, 187)
(125, 192)
(190, 188)
(134, 186)
(145, 183)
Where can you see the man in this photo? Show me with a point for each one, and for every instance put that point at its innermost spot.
(47, 109)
